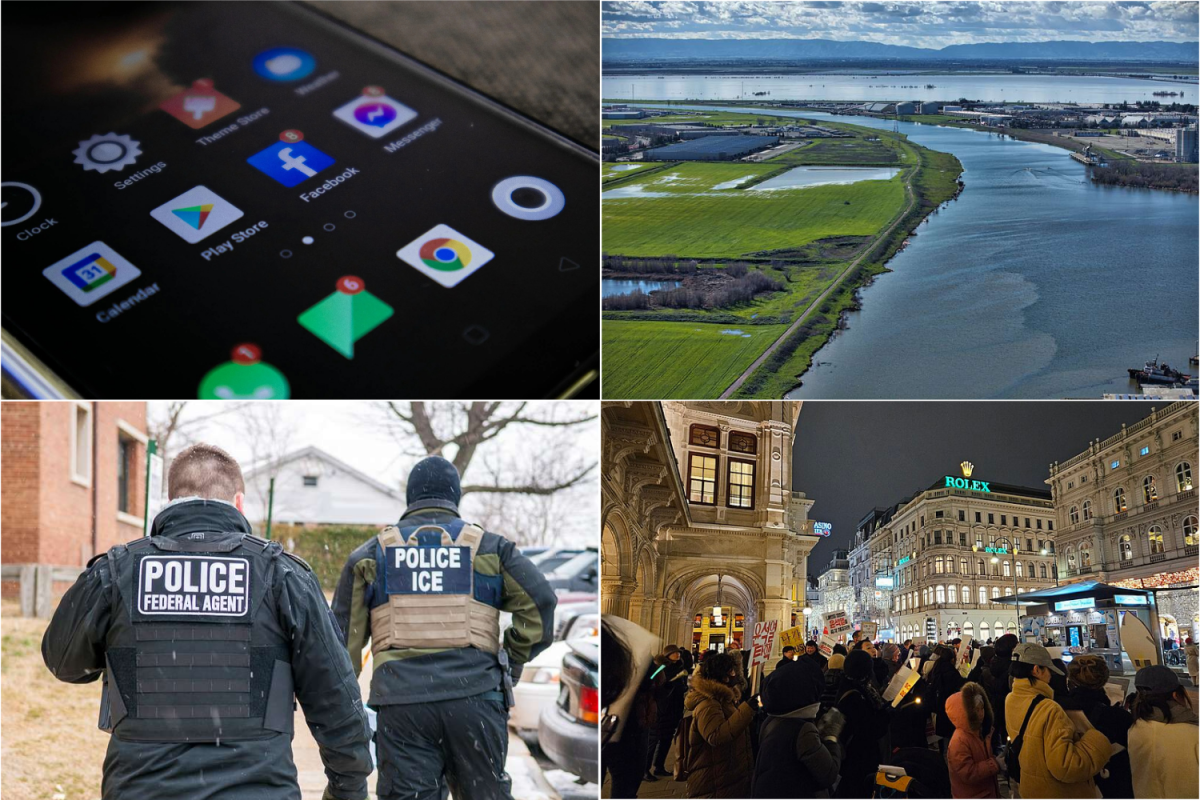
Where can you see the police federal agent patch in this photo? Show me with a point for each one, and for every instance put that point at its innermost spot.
(193, 586)
(426, 569)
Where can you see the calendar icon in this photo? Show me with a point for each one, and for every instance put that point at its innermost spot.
(91, 272)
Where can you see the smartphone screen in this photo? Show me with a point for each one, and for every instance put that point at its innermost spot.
(229, 200)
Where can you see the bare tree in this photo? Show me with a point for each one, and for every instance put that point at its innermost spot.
(269, 433)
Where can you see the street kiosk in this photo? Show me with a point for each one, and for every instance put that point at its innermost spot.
(1093, 617)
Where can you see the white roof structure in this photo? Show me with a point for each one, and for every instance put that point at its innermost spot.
(313, 487)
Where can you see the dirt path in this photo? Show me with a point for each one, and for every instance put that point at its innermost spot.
(737, 384)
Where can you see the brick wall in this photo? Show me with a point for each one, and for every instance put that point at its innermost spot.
(47, 511)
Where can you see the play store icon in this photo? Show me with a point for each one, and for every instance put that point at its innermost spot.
(196, 213)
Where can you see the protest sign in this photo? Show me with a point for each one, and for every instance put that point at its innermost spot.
(763, 641)
(904, 688)
(897, 683)
(837, 623)
(870, 630)
(792, 637)
(825, 646)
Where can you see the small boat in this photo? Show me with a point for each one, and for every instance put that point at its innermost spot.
(1156, 373)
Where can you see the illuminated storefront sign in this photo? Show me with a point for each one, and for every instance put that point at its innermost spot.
(998, 550)
(1162, 580)
(1129, 599)
(822, 528)
(1078, 602)
(884, 582)
(904, 560)
(969, 485)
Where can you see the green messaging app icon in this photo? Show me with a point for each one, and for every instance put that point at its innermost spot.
(345, 316)
(244, 377)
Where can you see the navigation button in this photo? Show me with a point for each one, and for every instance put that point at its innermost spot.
(476, 334)
(567, 265)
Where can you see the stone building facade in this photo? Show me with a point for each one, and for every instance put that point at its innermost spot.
(698, 503)
(870, 570)
(960, 544)
(72, 485)
(1127, 513)
(835, 591)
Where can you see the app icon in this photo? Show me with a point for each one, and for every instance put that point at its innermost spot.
(200, 105)
(527, 197)
(284, 64)
(245, 377)
(90, 273)
(375, 114)
(445, 255)
(290, 163)
(104, 152)
(345, 316)
(197, 213)
(18, 202)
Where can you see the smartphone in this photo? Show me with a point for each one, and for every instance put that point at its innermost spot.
(252, 200)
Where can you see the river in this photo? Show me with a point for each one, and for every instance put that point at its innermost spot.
(1034, 283)
(877, 86)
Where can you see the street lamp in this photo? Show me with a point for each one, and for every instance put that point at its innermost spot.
(807, 614)
(1015, 548)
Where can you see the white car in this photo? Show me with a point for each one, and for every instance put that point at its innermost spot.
(538, 688)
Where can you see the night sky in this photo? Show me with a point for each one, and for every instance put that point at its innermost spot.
(852, 456)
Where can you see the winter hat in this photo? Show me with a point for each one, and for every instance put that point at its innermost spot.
(671, 648)
(1088, 671)
(794, 685)
(889, 652)
(836, 661)
(858, 665)
(1005, 646)
(1156, 679)
(433, 483)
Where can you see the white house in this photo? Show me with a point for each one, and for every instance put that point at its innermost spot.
(312, 487)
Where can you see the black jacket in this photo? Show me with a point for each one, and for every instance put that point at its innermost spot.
(74, 650)
(942, 684)
(669, 689)
(865, 740)
(1114, 722)
(793, 760)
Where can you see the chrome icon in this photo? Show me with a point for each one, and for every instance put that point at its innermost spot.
(446, 255)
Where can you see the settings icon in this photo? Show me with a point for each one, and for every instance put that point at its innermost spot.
(107, 151)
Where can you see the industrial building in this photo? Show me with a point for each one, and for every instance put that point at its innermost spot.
(633, 114)
(711, 148)
(906, 108)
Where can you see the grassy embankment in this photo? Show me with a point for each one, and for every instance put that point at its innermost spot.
(801, 237)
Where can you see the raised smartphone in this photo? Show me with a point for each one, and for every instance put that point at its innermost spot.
(250, 200)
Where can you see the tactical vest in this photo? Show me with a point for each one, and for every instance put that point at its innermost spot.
(430, 591)
(195, 651)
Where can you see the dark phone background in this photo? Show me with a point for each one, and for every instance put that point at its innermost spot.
(162, 348)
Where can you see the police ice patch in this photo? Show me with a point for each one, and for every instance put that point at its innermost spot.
(441, 569)
(200, 586)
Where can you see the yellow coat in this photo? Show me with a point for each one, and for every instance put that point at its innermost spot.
(1053, 763)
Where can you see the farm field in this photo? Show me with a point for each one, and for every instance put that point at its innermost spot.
(657, 360)
(694, 210)
(611, 170)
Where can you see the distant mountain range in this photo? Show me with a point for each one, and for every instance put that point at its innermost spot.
(829, 50)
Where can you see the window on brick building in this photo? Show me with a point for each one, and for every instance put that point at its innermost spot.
(125, 455)
(81, 444)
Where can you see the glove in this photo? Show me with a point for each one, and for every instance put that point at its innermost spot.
(831, 723)
(754, 701)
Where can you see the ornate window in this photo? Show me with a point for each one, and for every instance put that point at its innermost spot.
(741, 483)
(1007, 569)
(1074, 514)
(1071, 557)
(1189, 530)
(938, 566)
(1126, 547)
(940, 592)
(983, 598)
(982, 568)
(952, 593)
(1042, 571)
(966, 594)
(1087, 510)
(705, 436)
(1156, 539)
(995, 592)
(1149, 490)
(963, 566)
(983, 631)
(1119, 501)
(743, 443)
(702, 479)
(1183, 476)
(1085, 554)
(968, 629)
(1020, 570)
(1031, 572)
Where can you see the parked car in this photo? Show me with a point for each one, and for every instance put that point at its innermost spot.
(530, 552)
(581, 626)
(549, 560)
(537, 689)
(565, 612)
(580, 573)
(568, 729)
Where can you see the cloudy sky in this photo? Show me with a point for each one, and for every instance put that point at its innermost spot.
(915, 24)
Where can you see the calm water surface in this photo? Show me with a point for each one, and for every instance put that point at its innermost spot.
(1007, 87)
(1034, 283)
(801, 177)
(611, 286)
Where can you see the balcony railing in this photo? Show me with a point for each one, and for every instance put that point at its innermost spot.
(1156, 557)
(1122, 515)
(1153, 504)
(1187, 495)
(1191, 550)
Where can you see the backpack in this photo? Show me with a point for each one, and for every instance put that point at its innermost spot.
(1012, 755)
(683, 748)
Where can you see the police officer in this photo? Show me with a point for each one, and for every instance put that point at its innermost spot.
(427, 594)
(202, 634)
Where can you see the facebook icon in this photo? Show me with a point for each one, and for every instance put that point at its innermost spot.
(290, 163)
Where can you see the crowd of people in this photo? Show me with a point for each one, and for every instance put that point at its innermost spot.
(1016, 722)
